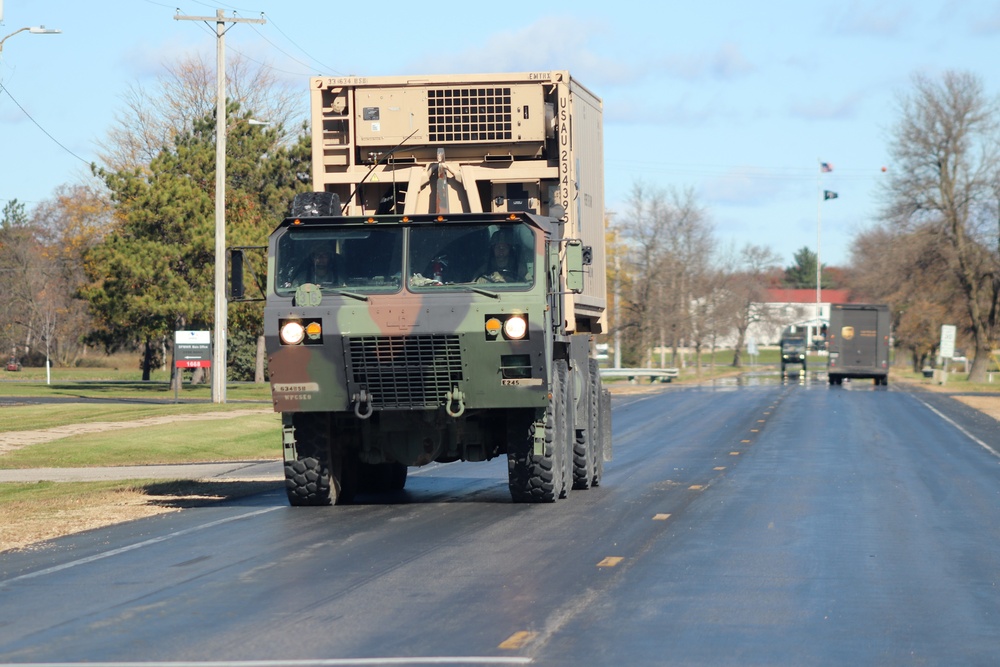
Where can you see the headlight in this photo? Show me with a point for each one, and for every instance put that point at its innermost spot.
(515, 327)
(292, 333)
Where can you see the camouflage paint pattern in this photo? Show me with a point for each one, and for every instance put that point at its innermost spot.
(323, 376)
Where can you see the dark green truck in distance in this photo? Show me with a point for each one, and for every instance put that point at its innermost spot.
(437, 297)
(793, 350)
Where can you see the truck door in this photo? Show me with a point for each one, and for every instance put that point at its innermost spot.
(859, 339)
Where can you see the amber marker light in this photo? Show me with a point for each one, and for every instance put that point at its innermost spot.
(292, 333)
(515, 327)
(493, 326)
(313, 330)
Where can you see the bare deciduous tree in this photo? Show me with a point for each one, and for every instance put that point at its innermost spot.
(185, 93)
(669, 241)
(748, 291)
(945, 147)
(911, 272)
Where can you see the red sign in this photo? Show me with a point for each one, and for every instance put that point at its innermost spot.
(193, 363)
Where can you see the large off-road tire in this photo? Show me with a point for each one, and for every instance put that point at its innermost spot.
(565, 427)
(322, 473)
(585, 441)
(314, 204)
(541, 478)
(598, 445)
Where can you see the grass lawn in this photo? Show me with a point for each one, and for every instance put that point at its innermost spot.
(239, 438)
(142, 433)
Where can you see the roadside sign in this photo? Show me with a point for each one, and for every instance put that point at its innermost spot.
(947, 341)
(192, 349)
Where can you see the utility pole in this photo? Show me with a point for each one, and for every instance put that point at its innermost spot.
(219, 361)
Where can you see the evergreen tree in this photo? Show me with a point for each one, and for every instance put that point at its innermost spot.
(154, 273)
(13, 215)
(802, 274)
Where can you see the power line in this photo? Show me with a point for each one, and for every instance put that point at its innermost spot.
(46, 132)
(311, 57)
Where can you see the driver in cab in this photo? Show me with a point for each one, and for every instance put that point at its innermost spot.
(504, 264)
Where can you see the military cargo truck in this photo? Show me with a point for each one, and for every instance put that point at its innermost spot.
(858, 342)
(436, 298)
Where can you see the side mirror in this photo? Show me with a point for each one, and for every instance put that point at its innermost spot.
(574, 266)
(236, 289)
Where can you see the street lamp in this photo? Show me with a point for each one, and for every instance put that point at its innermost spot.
(34, 30)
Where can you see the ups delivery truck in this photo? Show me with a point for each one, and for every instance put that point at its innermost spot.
(858, 342)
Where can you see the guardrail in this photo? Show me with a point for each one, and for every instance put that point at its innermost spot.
(632, 374)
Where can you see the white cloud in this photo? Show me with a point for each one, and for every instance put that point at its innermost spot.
(725, 63)
(743, 186)
(827, 109)
(860, 18)
(533, 48)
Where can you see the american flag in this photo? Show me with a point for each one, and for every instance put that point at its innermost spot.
(825, 167)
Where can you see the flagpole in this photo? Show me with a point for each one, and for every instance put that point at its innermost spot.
(819, 234)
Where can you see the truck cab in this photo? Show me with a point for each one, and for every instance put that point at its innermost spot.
(793, 351)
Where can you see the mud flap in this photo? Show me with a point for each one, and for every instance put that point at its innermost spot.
(288, 440)
(539, 438)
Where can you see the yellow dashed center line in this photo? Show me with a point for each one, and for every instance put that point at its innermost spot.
(744, 441)
(734, 453)
(610, 561)
(660, 517)
(696, 487)
(518, 640)
(719, 468)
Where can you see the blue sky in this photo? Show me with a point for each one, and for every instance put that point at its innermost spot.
(737, 100)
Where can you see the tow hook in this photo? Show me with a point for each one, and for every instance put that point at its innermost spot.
(364, 398)
(454, 396)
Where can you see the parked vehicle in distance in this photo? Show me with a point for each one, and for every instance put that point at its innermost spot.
(13, 364)
(858, 342)
(793, 350)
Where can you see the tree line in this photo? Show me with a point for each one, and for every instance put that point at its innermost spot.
(934, 253)
(127, 258)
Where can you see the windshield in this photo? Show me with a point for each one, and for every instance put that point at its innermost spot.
(363, 259)
(496, 256)
(793, 345)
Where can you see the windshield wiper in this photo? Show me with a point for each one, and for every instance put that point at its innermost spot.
(484, 292)
(353, 295)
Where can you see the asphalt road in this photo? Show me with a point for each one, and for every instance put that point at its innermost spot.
(770, 524)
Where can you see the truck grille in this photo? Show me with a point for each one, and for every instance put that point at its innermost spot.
(469, 114)
(405, 371)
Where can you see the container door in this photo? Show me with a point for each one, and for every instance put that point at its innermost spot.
(859, 340)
